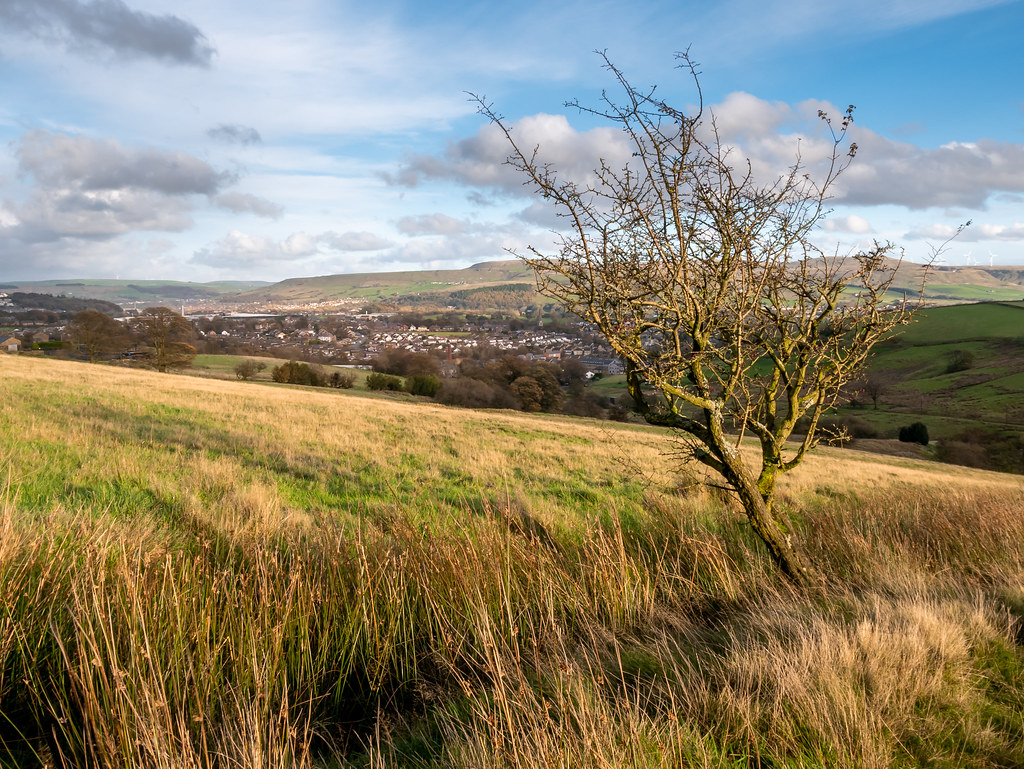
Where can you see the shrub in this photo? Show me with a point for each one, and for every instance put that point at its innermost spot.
(423, 384)
(959, 360)
(343, 380)
(406, 363)
(915, 433)
(377, 381)
(247, 369)
(294, 372)
(529, 392)
(472, 393)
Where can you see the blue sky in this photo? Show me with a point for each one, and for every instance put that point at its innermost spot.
(213, 139)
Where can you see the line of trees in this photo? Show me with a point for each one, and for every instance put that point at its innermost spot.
(159, 337)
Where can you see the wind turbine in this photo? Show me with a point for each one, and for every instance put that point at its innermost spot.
(967, 258)
(991, 258)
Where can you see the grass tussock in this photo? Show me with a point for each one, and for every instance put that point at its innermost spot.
(198, 574)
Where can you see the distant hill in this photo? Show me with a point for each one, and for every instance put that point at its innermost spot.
(378, 286)
(946, 284)
(34, 301)
(126, 293)
(467, 288)
(956, 284)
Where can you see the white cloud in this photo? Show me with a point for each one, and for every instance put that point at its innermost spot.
(857, 225)
(449, 250)
(352, 241)
(479, 160)
(770, 135)
(430, 224)
(977, 232)
(82, 257)
(241, 202)
(80, 187)
(240, 250)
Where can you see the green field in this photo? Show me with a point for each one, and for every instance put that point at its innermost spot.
(388, 285)
(969, 293)
(209, 573)
(223, 367)
(988, 395)
(941, 325)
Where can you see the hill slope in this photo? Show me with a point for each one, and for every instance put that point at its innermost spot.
(386, 285)
(194, 568)
(145, 293)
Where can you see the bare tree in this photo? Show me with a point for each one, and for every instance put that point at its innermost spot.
(875, 385)
(97, 332)
(167, 335)
(706, 281)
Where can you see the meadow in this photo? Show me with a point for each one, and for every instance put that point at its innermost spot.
(206, 573)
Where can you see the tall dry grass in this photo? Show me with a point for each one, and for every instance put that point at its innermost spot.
(230, 575)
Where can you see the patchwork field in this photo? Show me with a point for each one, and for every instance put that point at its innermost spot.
(206, 573)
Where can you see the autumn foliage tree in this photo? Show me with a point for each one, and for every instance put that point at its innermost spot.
(705, 279)
(97, 332)
(167, 336)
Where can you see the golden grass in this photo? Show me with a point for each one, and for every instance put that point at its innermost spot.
(203, 573)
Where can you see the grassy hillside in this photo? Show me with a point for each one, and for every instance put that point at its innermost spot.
(948, 284)
(128, 292)
(388, 285)
(960, 371)
(980, 406)
(203, 573)
(953, 283)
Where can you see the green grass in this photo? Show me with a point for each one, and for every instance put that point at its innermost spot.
(969, 293)
(966, 322)
(389, 285)
(918, 386)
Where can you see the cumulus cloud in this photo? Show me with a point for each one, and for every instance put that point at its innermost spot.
(885, 171)
(81, 188)
(430, 224)
(480, 160)
(769, 134)
(88, 188)
(977, 232)
(51, 215)
(858, 225)
(964, 175)
(241, 202)
(60, 160)
(352, 241)
(240, 250)
(232, 133)
(109, 26)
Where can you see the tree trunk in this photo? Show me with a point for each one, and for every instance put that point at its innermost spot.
(787, 555)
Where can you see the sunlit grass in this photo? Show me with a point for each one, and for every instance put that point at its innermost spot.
(221, 574)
